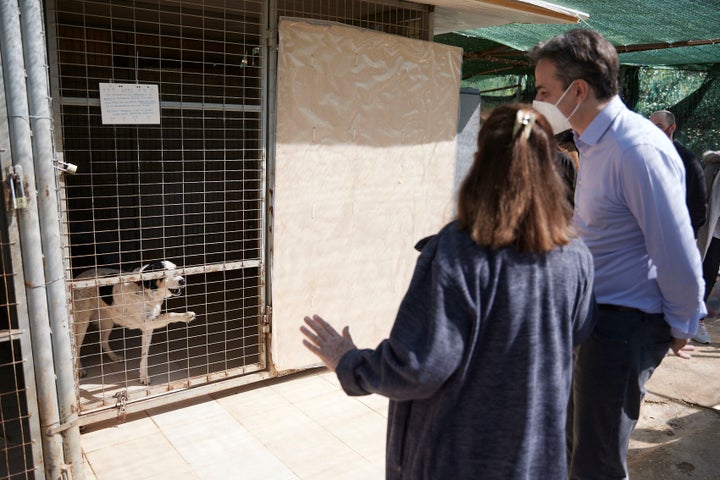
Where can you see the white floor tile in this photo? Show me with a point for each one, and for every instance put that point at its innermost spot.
(311, 451)
(146, 457)
(253, 402)
(299, 428)
(100, 438)
(304, 388)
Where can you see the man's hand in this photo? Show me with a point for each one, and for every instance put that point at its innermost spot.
(325, 342)
(682, 348)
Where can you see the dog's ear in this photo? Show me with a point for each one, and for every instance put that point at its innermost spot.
(152, 284)
(153, 267)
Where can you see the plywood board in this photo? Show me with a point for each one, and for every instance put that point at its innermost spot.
(365, 154)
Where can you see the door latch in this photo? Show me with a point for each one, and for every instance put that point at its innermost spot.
(121, 404)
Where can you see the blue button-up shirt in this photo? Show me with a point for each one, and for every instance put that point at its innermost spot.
(630, 211)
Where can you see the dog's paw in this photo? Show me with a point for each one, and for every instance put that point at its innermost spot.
(81, 372)
(189, 316)
(145, 379)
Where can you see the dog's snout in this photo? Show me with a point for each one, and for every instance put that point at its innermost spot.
(181, 282)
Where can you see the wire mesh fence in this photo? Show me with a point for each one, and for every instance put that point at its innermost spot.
(16, 460)
(189, 189)
(20, 451)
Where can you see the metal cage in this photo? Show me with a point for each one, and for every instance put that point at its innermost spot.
(190, 189)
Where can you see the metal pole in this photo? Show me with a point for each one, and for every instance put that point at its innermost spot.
(18, 283)
(269, 115)
(30, 239)
(48, 209)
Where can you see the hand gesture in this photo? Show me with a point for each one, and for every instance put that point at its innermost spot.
(325, 342)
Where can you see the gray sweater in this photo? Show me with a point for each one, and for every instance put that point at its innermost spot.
(478, 364)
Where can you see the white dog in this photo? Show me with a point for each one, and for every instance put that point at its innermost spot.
(134, 305)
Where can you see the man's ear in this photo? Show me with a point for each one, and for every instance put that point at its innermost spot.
(581, 88)
(672, 129)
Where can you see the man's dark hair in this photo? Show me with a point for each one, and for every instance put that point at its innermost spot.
(582, 54)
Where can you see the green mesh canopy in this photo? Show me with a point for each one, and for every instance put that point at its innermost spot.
(669, 55)
(642, 30)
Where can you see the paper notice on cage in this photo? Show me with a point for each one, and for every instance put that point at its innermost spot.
(129, 103)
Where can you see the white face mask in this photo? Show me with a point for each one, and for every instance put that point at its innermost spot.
(552, 113)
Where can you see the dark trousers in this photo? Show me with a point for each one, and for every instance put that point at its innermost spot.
(610, 371)
(710, 266)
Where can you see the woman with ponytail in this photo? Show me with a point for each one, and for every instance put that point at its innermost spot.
(478, 363)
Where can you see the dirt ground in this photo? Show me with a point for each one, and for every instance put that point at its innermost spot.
(678, 435)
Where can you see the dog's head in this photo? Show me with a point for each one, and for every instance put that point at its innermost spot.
(171, 283)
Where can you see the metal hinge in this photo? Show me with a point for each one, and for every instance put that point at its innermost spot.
(16, 182)
(267, 319)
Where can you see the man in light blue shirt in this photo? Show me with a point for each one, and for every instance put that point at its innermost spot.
(630, 211)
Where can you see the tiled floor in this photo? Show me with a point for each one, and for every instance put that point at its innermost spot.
(304, 427)
(297, 427)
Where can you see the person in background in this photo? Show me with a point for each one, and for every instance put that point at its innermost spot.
(566, 144)
(695, 189)
(630, 211)
(478, 363)
(567, 162)
(709, 235)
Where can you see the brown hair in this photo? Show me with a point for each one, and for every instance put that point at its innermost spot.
(512, 195)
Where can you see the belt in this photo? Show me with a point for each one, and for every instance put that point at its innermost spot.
(618, 308)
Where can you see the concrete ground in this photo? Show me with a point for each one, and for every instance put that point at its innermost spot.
(678, 435)
(304, 427)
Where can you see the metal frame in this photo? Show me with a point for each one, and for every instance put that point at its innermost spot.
(15, 48)
(394, 16)
(124, 398)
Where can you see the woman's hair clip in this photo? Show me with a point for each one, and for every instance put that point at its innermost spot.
(524, 119)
